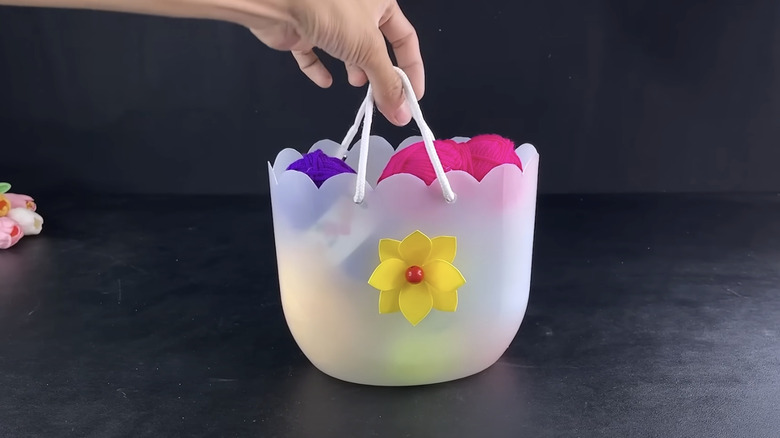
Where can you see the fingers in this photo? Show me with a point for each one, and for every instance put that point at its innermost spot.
(361, 44)
(356, 76)
(387, 86)
(406, 47)
(284, 37)
(311, 65)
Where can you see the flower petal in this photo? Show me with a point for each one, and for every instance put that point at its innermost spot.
(415, 302)
(388, 301)
(446, 301)
(443, 248)
(415, 248)
(389, 275)
(6, 241)
(388, 249)
(30, 221)
(443, 276)
(10, 232)
(16, 200)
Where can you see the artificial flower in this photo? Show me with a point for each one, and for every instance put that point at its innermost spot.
(10, 232)
(30, 221)
(416, 275)
(5, 205)
(21, 201)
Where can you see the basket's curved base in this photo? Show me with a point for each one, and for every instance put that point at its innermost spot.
(385, 350)
(381, 383)
(404, 378)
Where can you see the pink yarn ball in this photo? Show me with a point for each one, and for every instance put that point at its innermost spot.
(414, 160)
(489, 151)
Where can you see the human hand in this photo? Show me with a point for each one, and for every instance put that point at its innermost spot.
(354, 32)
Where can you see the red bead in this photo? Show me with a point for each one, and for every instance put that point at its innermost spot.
(415, 275)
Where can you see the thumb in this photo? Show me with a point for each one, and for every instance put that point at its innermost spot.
(387, 86)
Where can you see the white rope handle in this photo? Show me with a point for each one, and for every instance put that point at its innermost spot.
(366, 113)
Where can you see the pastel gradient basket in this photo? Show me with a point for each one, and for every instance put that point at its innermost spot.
(348, 255)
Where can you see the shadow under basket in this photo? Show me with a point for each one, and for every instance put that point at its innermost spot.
(340, 248)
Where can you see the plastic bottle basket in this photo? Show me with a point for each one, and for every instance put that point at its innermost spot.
(402, 283)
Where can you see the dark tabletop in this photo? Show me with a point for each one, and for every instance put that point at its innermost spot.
(649, 316)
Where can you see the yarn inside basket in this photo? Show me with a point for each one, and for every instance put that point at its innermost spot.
(414, 160)
(478, 157)
(489, 151)
(319, 166)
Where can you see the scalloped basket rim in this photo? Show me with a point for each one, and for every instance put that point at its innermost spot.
(396, 177)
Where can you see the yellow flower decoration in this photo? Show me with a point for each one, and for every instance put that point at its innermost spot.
(416, 275)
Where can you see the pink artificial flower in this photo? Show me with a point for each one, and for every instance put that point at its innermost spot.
(21, 201)
(10, 232)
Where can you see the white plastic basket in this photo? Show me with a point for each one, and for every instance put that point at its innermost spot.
(327, 243)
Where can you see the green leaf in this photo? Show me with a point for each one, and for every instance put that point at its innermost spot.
(4, 187)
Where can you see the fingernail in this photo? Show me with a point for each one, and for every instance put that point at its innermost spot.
(403, 115)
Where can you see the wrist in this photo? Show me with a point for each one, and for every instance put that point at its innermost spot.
(225, 10)
(245, 12)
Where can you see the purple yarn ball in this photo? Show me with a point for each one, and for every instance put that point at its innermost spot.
(320, 167)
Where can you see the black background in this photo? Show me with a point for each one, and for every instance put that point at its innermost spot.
(618, 96)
